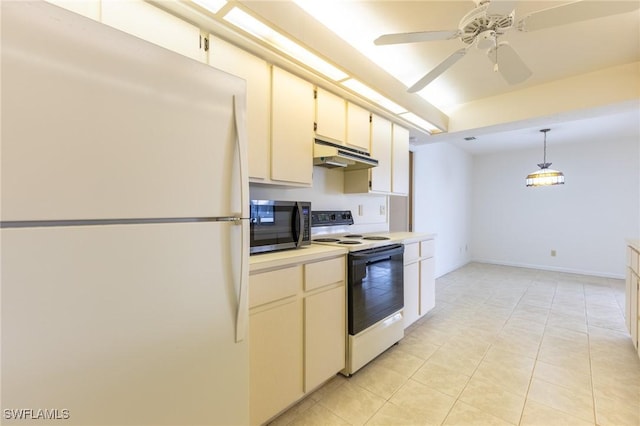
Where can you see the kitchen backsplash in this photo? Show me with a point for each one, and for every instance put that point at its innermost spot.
(370, 212)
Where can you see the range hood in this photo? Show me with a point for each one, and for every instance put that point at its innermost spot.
(333, 155)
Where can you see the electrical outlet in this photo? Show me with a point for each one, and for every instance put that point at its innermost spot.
(360, 210)
(553, 253)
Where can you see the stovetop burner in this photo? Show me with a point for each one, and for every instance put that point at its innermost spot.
(349, 242)
(353, 236)
(376, 238)
(327, 240)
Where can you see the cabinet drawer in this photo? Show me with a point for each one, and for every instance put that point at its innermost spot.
(411, 252)
(270, 286)
(323, 273)
(427, 248)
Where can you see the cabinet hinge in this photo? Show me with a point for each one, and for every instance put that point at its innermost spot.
(315, 127)
(370, 118)
(370, 185)
(315, 93)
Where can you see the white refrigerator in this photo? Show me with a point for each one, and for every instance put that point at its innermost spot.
(124, 240)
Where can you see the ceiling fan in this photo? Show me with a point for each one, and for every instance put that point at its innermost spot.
(493, 18)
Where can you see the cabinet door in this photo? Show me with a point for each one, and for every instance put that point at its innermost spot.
(381, 137)
(411, 293)
(325, 336)
(427, 285)
(627, 298)
(155, 25)
(330, 116)
(257, 73)
(88, 8)
(276, 364)
(635, 300)
(400, 169)
(358, 127)
(291, 128)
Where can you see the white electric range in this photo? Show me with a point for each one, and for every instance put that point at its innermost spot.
(375, 286)
(340, 220)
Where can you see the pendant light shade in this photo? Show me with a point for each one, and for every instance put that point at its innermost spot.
(545, 176)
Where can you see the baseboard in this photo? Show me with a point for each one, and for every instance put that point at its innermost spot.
(551, 268)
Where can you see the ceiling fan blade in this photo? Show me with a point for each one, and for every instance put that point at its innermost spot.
(435, 73)
(574, 12)
(416, 37)
(501, 7)
(510, 65)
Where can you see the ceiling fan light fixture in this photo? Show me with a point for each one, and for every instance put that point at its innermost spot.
(486, 39)
(545, 176)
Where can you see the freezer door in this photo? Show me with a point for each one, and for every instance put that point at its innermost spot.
(98, 124)
(124, 324)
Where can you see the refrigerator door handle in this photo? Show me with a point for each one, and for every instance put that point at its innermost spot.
(242, 311)
(241, 141)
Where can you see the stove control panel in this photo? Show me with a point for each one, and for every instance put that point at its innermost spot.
(331, 217)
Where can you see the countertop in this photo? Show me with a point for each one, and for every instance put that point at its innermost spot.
(313, 252)
(259, 262)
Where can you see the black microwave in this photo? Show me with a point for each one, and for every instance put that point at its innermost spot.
(279, 225)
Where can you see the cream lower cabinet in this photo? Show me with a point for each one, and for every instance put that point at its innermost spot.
(632, 294)
(419, 280)
(297, 333)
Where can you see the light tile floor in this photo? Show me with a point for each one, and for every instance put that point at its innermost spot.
(504, 346)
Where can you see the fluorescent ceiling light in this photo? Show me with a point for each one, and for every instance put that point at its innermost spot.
(369, 93)
(420, 122)
(248, 23)
(213, 6)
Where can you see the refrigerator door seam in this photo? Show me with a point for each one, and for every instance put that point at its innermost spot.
(95, 222)
(242, 311)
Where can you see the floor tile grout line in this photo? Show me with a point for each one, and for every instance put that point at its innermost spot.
(535, 363)
(483, 358)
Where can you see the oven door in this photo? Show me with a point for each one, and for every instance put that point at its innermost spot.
(277, 225)
(376, 285)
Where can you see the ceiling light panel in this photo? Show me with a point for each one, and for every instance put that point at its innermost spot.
(420, 122)
(364, 90)
(213, 6)
(256, 28)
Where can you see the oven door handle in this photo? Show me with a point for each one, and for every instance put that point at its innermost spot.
(377, 253)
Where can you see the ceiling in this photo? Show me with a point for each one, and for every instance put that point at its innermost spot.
(343, 31)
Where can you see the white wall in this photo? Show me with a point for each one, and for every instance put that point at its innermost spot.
(585, 220)
(442, 202)
(327, 194)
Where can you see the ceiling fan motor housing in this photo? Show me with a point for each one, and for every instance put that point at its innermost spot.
(477, 23)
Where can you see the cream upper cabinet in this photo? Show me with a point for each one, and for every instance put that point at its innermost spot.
(381, 151)
(400, 168)
(88, 8)
(257, 73)
(358, 127)
(377, 179)
(331, 117)
(150, 23)
(292, 112)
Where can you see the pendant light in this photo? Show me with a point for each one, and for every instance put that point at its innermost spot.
(545, 176)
